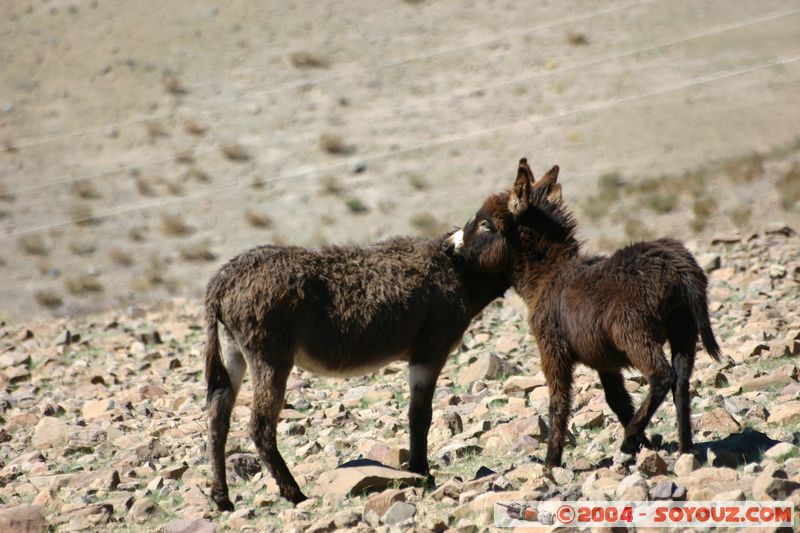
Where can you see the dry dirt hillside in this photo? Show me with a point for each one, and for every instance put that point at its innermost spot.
(104, 427)
(145, 142)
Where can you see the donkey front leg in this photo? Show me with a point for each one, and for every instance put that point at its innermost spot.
(422, 380)
(557, 367)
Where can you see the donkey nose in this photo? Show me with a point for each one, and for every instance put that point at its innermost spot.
(454, 242)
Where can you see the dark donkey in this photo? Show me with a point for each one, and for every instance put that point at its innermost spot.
(608, 313)
(339, 311)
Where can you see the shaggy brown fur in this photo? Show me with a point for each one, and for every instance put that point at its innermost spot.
(338, 311)
(608, 313)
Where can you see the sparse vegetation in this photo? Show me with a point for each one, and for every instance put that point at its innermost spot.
(82, 247)
(85, 189)
(192, 127)
(49, 298)
(576, 38)
(418, 182)
(81, 214)
(356, 206)
(636, 230)
(334, 144)
(702, 208)
(235, 152)
(745, 168)
(662, 202)
(198, 175)
(304, 59)
(330, 184)
(198, 251)
(83, 284)
(740, 215)
(789, 187)
(120, 257)
(173, 85)
(155, 129)
(173, 225)
(145, 186)
(33, 244)
(258, 219)
(137, 233)
(427, 225)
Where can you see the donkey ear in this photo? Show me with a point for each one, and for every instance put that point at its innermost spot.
(520, 196)
(555, 194)
(549, 179)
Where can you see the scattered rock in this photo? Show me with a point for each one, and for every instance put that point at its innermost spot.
(189, 525)
(488, 366)
(650, 463)
(686, 464)
(22, 519)
(380, 503)
(364, 476)
(399, 513)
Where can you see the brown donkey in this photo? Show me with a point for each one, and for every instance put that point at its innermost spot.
(339, 311)
(608, 313)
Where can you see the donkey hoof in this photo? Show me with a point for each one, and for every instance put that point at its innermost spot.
(224, 504)
(295, 497)
(429, 483)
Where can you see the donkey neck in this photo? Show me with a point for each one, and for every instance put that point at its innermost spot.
(534, 269)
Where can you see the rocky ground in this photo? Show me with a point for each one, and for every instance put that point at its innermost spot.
(103, 421)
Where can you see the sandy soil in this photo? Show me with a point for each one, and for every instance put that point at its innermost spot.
(362, 120)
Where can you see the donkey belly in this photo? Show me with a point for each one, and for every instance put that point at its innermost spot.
(345, 365)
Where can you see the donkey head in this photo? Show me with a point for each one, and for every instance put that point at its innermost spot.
(527, 222)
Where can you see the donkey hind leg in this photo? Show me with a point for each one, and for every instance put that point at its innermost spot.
(557, 366)
(219, 417)
(269, 389)
(654, 366)
(422, 381)
(682, 333)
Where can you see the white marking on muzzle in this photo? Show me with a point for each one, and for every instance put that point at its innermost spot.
(457, 240)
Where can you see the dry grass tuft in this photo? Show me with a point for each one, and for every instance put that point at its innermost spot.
(33, 244)
(576, 38)
(330, 184)
(740, 215)
(334, 144)
(49, 298)
(82, 215)
(174, 187)
(636, 230)
(83, 284)
(184, 156)
(418, 182)
(138, 234)
(702, 208)
(82, 247)
(745, 168)
(356, 206)
(173, 85)
(258, 219)
(609, 185)
(155, 129)
(304, 59)
(235, 152)
(145, 187)
(663, 202)
(85, 189)
(173, 225)
(789, 187)
(198, 251)
(427, 225)
(198, 175)
(192, 127)
(120, 257)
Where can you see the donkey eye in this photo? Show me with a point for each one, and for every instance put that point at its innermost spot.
(485, 225)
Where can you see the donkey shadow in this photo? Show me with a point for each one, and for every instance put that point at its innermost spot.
(735, 450)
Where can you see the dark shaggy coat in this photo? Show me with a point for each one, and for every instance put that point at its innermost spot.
(608, 313)
(338, 311)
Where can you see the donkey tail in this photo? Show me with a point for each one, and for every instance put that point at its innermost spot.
(216, 375)
(698, 304)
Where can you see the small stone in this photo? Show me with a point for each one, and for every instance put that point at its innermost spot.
(663, 490)
(632, 487)
(22, 519)
(686, 464)
(380, 503)
(150, 451)
(487, 367)
(244, 465)
(720, 421)
(357, 479)
(524, 384)
(650, 463)
(189, 525)
(144, 509)
(51, 432)
(399, 513)
(174, 472)
(96, 408)
(785, 414)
